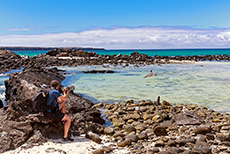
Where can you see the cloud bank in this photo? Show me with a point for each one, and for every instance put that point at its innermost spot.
(127, 38)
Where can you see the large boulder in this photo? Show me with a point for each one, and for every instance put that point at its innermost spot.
(9, 60)
(64, 52)
(81, 53)
(20, 125)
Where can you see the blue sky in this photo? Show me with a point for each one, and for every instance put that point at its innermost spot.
(116, 23)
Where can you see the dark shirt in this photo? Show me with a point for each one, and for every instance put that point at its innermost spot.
(52, 98)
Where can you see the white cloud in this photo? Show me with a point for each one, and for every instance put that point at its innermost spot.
(19, 29)
(127, 38)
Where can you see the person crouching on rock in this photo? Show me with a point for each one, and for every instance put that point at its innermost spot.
(56, 108)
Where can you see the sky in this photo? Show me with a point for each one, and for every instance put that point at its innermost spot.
(116, 24)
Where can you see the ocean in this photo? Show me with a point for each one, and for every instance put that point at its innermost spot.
(160, 52)
(205, 84)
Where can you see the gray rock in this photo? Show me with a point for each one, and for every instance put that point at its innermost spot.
(154, 150)
(191, 140)
(159, 144)
(226, 143)
(132, 137)
(181, 142)
(117, 134)
(124, 143)
(53, 150)
(210, 136)
(160, 131)
(185, 120)
(171, 143)
(202, 147)
(202, 130)
(94, 137)
(108, 131)
(140, 127)
(98, 151)
(142, 135)
(106, 149)
(129, 128)
(223, 136)
(201, 138)
(164, 152)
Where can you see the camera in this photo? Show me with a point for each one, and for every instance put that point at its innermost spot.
(68, 88)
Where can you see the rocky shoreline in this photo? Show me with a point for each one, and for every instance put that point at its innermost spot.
(149, 127)
(145, 127)
(56, 57)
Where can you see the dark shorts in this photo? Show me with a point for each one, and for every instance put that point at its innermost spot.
(56, 116)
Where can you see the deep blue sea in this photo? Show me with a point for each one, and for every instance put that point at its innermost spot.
(201, 83)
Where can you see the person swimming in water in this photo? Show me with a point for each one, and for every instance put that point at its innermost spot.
(151, 74)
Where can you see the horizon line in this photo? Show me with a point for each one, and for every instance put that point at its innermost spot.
(102, 48)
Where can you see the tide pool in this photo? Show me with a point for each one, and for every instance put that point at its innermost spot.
(203, 83)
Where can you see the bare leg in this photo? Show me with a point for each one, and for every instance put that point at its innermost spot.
(67, 120)
(61, 107)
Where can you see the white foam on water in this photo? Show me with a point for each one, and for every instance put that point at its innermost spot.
(2, 87)
(2, 96)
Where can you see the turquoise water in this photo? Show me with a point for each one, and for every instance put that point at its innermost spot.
(203, 83)
(174, 52)
(30, 53)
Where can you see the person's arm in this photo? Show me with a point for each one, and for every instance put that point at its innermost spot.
(63, 97)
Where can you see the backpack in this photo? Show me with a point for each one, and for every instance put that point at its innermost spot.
(39, 101)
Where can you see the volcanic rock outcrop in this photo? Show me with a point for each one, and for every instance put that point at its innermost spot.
(19, 125)
(9, 60)
(57, 57)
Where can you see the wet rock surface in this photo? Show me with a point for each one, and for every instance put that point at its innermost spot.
(19, 125)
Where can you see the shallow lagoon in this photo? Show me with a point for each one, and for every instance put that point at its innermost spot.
(203, 83)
